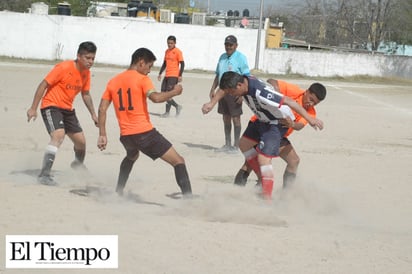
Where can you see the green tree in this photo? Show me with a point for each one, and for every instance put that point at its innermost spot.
(352, 23)
(400, 23)
(16, 5)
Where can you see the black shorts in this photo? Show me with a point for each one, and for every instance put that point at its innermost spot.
(169, 83)
(56, 118)
(150, 143)
(228, 106)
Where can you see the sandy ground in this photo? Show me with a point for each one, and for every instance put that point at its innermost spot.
(349, 213)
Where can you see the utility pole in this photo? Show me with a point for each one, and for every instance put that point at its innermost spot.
(259, 34)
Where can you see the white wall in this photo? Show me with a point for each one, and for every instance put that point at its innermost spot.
(53, 37)
(343, 64)
(57, 37)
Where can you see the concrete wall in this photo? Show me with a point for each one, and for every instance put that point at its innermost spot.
(343, 64)
(53, 37)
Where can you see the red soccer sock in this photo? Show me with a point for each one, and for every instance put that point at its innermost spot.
(254, 165)
(267, 181)
(267, 187)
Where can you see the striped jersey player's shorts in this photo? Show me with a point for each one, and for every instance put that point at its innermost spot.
(268, 136)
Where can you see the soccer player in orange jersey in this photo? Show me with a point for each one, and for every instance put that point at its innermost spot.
(308, 99)
(56, 93)
(129, 91)
(174, 64)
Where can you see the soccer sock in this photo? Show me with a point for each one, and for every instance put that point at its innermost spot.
(168, 106)
(237, 130)
(241, 177)
(125, 169)
(228, 129)
(173, 103)
(267, 181)
(251, 158)
(288, 179)
(79, 155)
(48, 160)
(182, 179)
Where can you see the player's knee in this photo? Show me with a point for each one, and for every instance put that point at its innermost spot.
(180, 160)
(133, 156)
(80, 146)
(266, 170)
(236, 120)
(294, 162)
(57, 141)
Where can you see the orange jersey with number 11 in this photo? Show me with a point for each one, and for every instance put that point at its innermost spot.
(129, 91)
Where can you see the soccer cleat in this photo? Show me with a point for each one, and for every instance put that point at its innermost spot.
(178, 110)
(224, 148)
(233, 150)
(76, 165)
(164, 115)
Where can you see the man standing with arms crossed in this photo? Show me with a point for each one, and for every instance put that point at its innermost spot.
(229, 106)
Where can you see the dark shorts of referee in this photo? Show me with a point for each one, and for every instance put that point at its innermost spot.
(228, 106)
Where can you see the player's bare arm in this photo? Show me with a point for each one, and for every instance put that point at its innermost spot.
(159, 77)
(160, 97)
(214, 86)
(102, 139)
(88, 101)
(206, 108)
(32, 111)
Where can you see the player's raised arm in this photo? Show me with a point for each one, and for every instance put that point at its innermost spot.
(160, 97)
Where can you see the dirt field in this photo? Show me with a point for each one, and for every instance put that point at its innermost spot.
(349, 213)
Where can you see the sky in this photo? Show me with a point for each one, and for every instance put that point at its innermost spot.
(252, 5)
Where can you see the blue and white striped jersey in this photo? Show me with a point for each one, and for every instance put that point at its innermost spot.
(265, 102)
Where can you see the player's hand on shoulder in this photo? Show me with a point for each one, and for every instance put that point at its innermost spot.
(286, 122)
